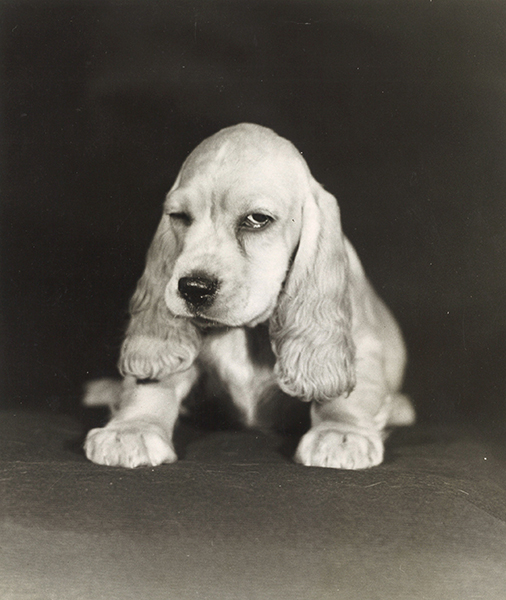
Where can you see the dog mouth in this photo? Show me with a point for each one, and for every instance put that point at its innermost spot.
(205, 322)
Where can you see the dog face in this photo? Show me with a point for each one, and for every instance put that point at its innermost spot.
(235, 214)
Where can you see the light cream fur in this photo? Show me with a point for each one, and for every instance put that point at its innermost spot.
(333, 342)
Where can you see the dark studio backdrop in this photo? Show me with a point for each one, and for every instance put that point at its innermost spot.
(398, 108)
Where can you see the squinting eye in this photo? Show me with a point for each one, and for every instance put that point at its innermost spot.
(181, 217)
(256, 221)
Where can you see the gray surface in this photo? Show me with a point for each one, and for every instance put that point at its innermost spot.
(235, 519)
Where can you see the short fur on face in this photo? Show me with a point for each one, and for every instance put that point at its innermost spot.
(248, 238)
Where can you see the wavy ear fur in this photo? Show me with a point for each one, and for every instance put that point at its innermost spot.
(311, 328)
(157, 343)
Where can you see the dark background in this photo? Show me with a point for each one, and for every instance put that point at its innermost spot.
(398, 108)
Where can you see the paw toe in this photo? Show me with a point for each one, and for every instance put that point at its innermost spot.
(129, 445)
(328, 447)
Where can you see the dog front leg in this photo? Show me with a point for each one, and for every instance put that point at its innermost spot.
(140, 432)
(348, 432)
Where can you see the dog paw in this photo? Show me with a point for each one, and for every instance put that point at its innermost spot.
(129, 444)
(327, 446)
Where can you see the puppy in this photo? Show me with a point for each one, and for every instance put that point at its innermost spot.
(249, 280)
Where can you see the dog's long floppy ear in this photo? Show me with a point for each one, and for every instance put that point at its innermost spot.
(311, 328)
(157, 343)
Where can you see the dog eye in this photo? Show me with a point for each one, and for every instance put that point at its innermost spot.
(256, 221)
(181, 217)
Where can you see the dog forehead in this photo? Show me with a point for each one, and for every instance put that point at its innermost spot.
(240, 148)
(244, 162)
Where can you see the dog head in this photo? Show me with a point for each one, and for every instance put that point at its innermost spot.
(247, 235)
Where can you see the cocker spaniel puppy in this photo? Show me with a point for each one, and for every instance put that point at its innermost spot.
(250, 281)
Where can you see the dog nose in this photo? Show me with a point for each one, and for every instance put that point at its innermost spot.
(197, 291)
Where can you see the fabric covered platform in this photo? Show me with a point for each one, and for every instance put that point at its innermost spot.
(236, 519)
